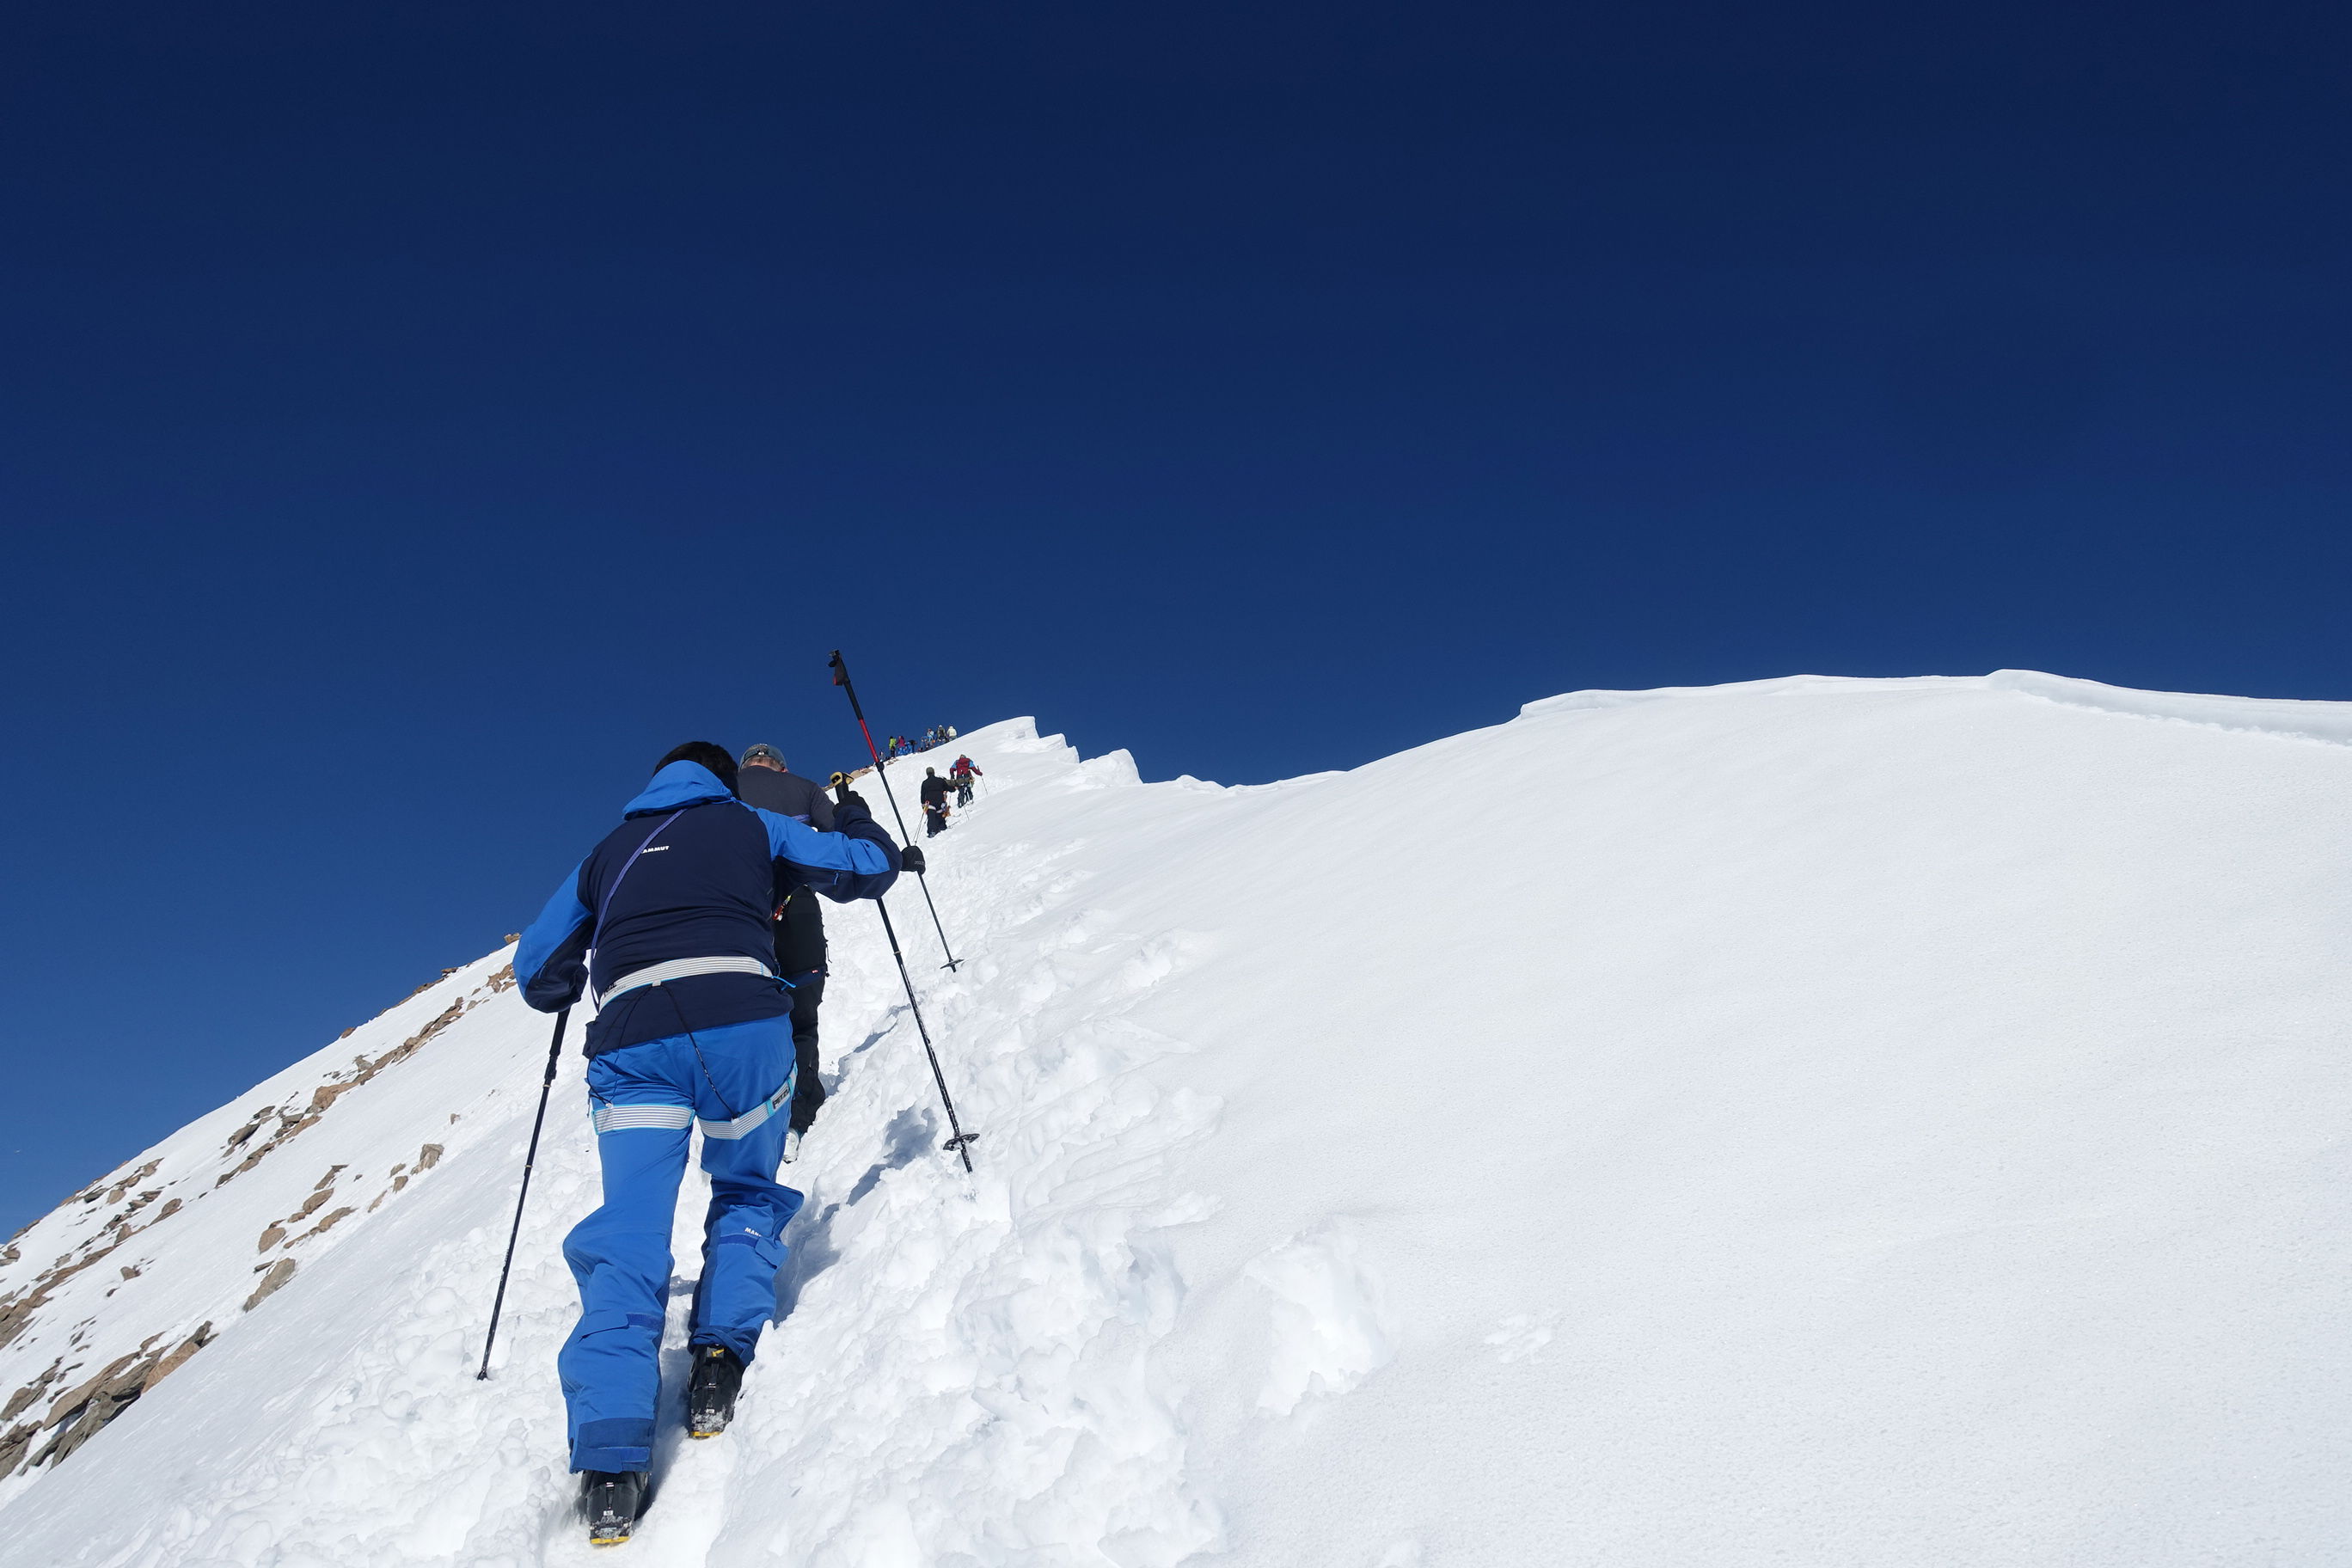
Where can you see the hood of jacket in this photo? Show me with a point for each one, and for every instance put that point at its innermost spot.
(677, 785)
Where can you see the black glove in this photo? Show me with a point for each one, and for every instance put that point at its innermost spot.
(848, 807)
(911, 859)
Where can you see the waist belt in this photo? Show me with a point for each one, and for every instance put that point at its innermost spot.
(679, 969)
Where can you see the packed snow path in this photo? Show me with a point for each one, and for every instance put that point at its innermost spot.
(1831, 1121)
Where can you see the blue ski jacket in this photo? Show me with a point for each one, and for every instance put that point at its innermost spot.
(691, 873)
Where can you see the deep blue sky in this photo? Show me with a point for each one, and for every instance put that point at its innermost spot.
(417, 417)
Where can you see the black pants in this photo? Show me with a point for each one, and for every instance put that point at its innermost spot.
(808, 1089)
(934, 819)
(964, 793)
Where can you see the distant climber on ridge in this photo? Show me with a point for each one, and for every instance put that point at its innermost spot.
(668, 921)
(962, 771)
(935, 804)
(765, 782)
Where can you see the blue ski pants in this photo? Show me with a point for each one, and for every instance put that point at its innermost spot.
(643, 1098)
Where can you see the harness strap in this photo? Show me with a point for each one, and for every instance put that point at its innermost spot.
(752, 1118)
(676, 1118)
(679, 969)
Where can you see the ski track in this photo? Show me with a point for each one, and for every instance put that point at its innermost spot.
(1882, 1123)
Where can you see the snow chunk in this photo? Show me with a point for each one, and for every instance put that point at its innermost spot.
(1331, 1326)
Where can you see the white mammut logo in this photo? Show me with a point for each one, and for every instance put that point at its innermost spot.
(654, 850)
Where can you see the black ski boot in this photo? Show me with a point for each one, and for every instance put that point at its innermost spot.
(710, 1395)
(611, 1499)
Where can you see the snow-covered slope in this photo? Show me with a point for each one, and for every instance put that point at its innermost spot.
(1828, 1122)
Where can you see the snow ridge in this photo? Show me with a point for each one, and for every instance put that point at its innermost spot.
(2328, 723)
(1839, 1121)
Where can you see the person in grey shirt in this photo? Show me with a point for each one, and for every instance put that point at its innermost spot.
(766, 783)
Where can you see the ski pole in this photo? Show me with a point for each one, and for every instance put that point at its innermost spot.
(962, 1141)
(840, 679)
(554, 1055)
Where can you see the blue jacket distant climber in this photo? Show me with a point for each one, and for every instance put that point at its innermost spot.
(667, 923)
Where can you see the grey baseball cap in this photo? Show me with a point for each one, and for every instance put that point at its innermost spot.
(762, 753)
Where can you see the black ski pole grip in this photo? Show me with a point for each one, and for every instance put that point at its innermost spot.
(840, 679)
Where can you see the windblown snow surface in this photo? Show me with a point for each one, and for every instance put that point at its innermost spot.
(1815, 1122)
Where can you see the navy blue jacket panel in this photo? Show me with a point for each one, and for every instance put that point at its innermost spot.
(691, 872)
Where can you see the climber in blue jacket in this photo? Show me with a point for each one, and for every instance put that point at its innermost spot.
(668, 924)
